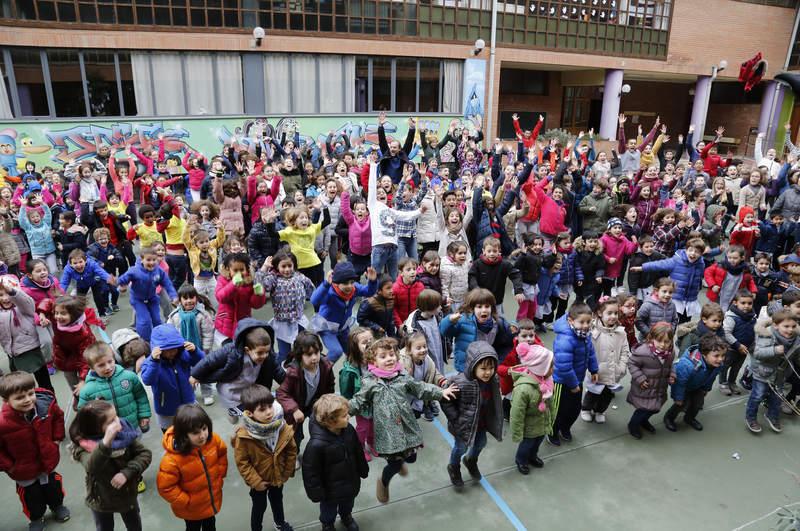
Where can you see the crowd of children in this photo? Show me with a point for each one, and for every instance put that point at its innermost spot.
(606, 253)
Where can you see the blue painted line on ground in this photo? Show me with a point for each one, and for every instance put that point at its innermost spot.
(496, 498)
(103, 335)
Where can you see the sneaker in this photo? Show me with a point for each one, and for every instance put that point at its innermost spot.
(233, 415)
(523, 468)
(725, 389)
(587, 416)
(454, 471)
(51, 370)
(114, 308)
(428, 415)
(284, 527)
(746, 383)
(600, 418)
(36, 525)
(328, 527)
(549, 326)
(734, 388)
(381, 491)
(554, 440)
(774, 424)
(753, 425)
(141, 487)
(472, 468)
(61, 514)
(349, 523)
(208, 400)
(566, 436)
(298, 463)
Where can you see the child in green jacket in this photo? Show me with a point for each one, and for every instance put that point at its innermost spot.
(531, 406)
(350, 384)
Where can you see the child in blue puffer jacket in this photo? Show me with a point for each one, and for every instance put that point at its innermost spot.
(167, 371)
(88, 275)
(37, 227)
(145, 277)
(574, 354)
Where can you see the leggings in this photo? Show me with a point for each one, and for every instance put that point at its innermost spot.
(393, 466)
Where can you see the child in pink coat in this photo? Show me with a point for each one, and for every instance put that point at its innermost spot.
(616, 250)
(359, 232)
(237, 294)
(259, 195)
(553, 211)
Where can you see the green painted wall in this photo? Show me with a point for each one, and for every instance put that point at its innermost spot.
(784, 116)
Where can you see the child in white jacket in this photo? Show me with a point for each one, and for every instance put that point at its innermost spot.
(454, 274)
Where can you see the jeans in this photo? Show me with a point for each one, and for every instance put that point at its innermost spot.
(760, 391)
(328, 510)
(407, 246)
(209, 524)
(385, 256)
(36, 498)
(259, 497)
(459, 449)
(335, 342)
(528, 449)
(394, 465)
(105, 521)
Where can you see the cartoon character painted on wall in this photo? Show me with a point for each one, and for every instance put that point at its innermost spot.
(12, 162)
(28, 147)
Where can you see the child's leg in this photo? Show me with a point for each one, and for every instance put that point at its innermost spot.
(603, 400)
(590, 401)
(639, 417)
(283, 350)
(132, 519)
(275, 495)
(737, 360)
(259, 498)
(42, 376)
(394, 466)
(693, 404)
(164, 304)
(363, 428)
(144, 324)
(298, 435)
(523, 451)
(346, 508)
(477, 445)
(72, 379)
(458, 451)
(524, 308)
(773, 404)
(164, 421)
(327, 512)
(103, 521)
(569, 408)
(100, 297)
(52, 263)
(333, 344)
(33, 499)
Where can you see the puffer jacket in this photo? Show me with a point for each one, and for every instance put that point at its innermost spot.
(570, 269)
(526, 420)
(688, 334)
(29, 449)
(494, 277)
(428, 221)
(169, 380)
(618, 248)
(261, 243)
(692, 373)
(39, 237)
(464, 411)
(205, 325)
(766, 364)
(688, 276)
(712, 233)
(360, 232)
(40, 293)
(612, 351)
(465, 332)
(331, 307)
(349, 380)
(123, 389)
(101, 466)
(715, 276)
(17, 329)
(256, 463)
(235, 303)
(653, 311)
(431, 375)
(68, 348)
(405, 299)
(789, 202)
(377, 314)
(455, 280)
(333, 464)
(396, 429)
(596, 211)
(192, 483)
(645, 366)
(573, 355)
(293, 395)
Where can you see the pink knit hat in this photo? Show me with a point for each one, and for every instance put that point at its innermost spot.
(535, 357)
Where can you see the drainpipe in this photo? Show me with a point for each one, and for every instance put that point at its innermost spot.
(490, 136)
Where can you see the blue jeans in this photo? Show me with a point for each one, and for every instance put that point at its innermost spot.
(328, 510)
(407, 246)
(385, 256)
(460, 448)
(335, 342)
(760, 391)
(528, 449)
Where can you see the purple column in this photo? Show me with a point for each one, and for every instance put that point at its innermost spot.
(611, 91)
(770, 112)
(700, 107)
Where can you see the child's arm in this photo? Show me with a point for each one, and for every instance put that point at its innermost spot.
(683, 370)
(312, 473)
(142, 402)
(169, 483)
(362, 401)
(423, 391)
(563, 363)
(642, 321)
(245, 466)
(285, 397)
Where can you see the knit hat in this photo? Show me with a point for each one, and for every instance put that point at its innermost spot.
(535, 357)
(613, 222)
(344, 272)
(122, 337)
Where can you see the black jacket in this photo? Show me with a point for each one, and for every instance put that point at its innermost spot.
(70, 241)
(115, 266)
(333, 464)
(637, 280)
(378, 315)
(93, 222)
(493, 277)
(529, 266)
(261, 243)
(592, 265)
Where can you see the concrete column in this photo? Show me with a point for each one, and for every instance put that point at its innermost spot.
(770, 112)
(611, 92)
(702, 91)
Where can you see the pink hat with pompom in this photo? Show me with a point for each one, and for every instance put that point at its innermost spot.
(535, 357)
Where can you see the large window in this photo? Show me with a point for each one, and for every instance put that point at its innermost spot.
(65, 73)
(407, 85)
(29, 82)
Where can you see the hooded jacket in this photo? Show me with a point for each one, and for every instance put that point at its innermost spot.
(333, 464)
(123, 389)
(91, 275)
(712, 233)
(618, 248)
(225, 364)
(18, 332)
(766, 364)
(144, 283)
(377, 314)
(235, 304)
(30, 448)
(692, 373)
(255, 461)
(293, 395)
(192, 483)
(688, 276)
(645, 366)
(526, 421)
(464, 411)
(573, 355)
(169, 380)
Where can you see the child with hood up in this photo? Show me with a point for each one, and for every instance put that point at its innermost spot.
(532, 405)
(746, 232)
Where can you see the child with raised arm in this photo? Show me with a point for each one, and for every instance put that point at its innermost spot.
(144, 278)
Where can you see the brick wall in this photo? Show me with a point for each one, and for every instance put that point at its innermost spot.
(737, 120)
(670, 101)
(551, 104)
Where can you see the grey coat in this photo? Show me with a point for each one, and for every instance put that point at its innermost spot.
(766, 364)
(18, 332)
(789, 202)
(652, 311)
(462, 413)
(645, 366)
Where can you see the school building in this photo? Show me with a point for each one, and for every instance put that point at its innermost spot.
(74, 70)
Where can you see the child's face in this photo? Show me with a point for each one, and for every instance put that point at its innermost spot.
(310, 360)
(616, 230)
(419, 350)
(453, 218)
(64, 223)
(692, 254)
(263, 414)
(259, 354)
(113, 200)
(39, 274)
(484, 370)
(794, 309)
(386, 183)
(188, 303)
(34, 217)
(386, 291)
(527, 336)
(302, 221)
(237, 268)
(663, 344)
(610, 315)
(385, 359)
(102, 241)
(23, 401)
(286, 268)
(787, 328)
(236, 247)
(78, 264)
(492, 252)
(5, 300)
(198, 438)
(648, 248)
(558, 194)
(205, 212)
(591, 243)
(699, 182)
(713, 322)
(745, 304)
(104, 367)
(203, 243)
(432, 267)
(749, 219)
(629, 308)
(537, 247)
(409, 273)
(581, 323)
(630, 215)
(299, 199)
(149, 218)
(360, 211)
(482, 312)
(762, 266)
(715, 358)
(734, 257)
(170, 354)
(149, 261)
(341, 420)
(664, 294)
(62, 316)
(363, 341)
(777, 220)
(460, 256)
(347, 287)
(645, 192)
(755, 179)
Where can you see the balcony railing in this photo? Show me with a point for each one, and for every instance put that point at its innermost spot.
(635, 28)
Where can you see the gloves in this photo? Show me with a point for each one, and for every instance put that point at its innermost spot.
(237, 279)
(258, 289)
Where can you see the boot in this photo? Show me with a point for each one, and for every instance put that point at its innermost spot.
(472, 468)
(454, 471)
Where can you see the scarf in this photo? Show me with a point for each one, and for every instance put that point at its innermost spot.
(487, 261)
(734, 270)
(384, 373)
(14, 316)
(564, 250)
(494, 225)
(485, 326)
(342, 295)
(189, 328)
(267, 433)
(786, 343)
(121, 441)
(745, 316)
(75, 326)
(546, 386)
(661, 354)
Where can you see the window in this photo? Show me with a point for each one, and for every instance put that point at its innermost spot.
(406, 85)
(517, 81)
(30, 82)
(101, 80)
(381, 84)
(126, 80)
(362, 81)
(65, 73)
(429, 77)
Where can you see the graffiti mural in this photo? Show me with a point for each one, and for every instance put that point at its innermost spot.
(58, 142)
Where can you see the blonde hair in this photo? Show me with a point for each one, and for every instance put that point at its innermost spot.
(293, 213)
(97, 351)
(328, 408)
(384, 343)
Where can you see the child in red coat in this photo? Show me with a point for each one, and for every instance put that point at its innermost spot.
(31, 426)
(237, 294)
(722, 277)
(527, 335)
(745, 233)
(406, 289)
